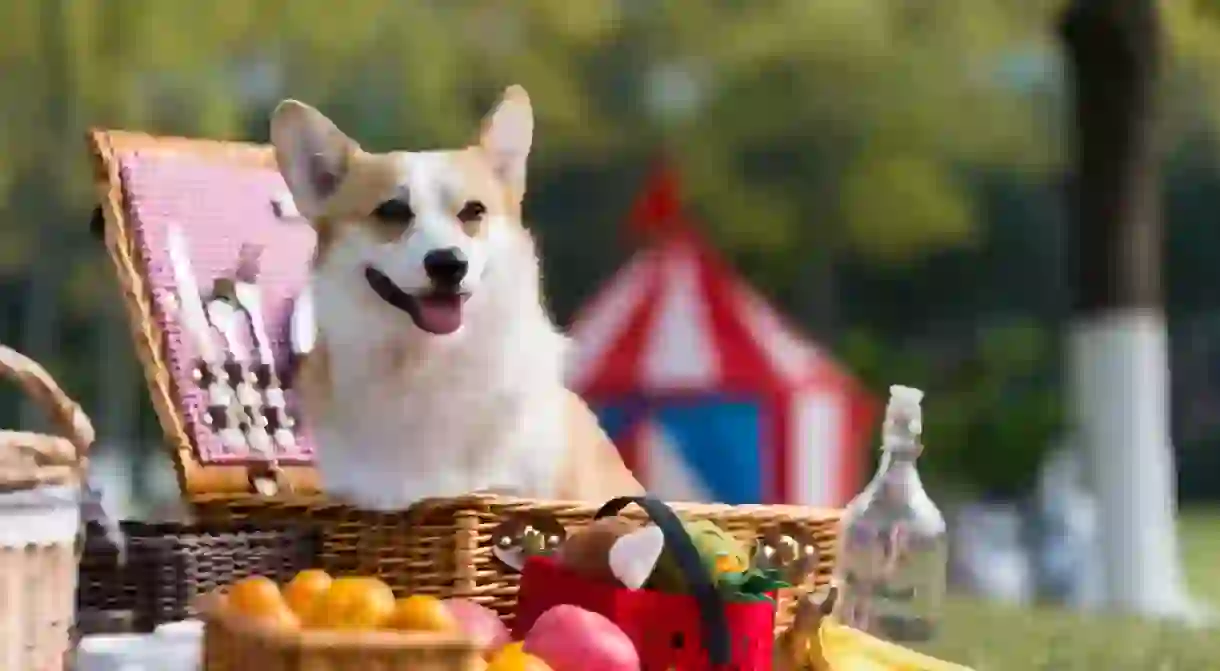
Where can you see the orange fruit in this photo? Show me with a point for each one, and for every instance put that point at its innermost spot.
(513, 657)
(422, 613)
(259, 598)
(281, 618)
(353, 603)
(305, 590)
(254, 596)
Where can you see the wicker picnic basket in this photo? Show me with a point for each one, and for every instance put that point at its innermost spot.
(222, 196)
(169, 565)
(39, 523)
(231, 643)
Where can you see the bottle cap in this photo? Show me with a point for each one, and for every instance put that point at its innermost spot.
(903, 415)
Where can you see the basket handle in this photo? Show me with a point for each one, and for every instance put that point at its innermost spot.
(65, 456)
(716, 638)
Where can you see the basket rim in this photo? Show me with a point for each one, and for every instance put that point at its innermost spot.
(502, 505)
(211, 610)
(195, 478)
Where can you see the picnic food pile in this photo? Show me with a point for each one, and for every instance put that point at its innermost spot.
(615, 597)
(566, 637)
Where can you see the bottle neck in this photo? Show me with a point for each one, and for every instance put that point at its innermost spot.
(898, 459)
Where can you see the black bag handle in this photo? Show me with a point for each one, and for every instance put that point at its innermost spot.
(716, 635)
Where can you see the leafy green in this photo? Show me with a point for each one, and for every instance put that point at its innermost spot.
(751, 585)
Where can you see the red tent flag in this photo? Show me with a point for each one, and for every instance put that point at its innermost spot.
(658, 207)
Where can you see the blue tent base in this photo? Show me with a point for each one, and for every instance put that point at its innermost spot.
(719, 438)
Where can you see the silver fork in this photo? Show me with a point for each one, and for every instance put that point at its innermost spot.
(249, 298)
(223, 316)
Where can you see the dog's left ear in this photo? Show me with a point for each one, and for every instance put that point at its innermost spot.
(508, 132)
(312, 154)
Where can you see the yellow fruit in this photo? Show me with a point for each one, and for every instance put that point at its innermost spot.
(353, 603)
(422, 613)
(304, 591)
(281, 618)
(513, 657)
(509, 649)
(253, 596)
(260, 599)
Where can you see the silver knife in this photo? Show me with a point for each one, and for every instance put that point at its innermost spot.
(224, 316)
(210, 373)
(190, 300)
(249, 298)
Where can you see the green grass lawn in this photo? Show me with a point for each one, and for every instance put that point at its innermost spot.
(997, 638)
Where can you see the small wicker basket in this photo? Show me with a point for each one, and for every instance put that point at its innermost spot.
(170, 565)
(231, 643)
(39, 523)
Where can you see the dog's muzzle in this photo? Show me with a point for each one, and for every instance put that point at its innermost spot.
(438, 312)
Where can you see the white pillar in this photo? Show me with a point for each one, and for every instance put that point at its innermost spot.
(1118, 365)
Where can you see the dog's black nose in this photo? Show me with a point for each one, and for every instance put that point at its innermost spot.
(445, 267)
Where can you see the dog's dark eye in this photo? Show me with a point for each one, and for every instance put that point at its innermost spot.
(395, 211)
(473, 210)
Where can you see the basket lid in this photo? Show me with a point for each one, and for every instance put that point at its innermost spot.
(213, 199)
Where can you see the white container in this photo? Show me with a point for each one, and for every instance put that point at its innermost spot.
(139, 652)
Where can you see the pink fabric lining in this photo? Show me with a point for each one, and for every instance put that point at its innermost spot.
(218, 207)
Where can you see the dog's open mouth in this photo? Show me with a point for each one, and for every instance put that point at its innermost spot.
(438, 313)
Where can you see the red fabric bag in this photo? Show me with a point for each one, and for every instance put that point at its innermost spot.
(672, 632)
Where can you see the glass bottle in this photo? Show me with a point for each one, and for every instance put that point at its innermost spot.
(893, 552)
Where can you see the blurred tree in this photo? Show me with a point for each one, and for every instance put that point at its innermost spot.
(804, 130)
(803, 87)
(1118, 354)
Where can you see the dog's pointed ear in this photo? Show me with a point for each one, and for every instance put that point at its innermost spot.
(508, 132)
(312, 153)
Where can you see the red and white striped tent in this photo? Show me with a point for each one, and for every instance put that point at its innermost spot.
(705, 388)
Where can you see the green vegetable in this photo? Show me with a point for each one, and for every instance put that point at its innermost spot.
(727, 561)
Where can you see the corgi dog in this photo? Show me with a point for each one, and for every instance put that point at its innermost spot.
(436, 369)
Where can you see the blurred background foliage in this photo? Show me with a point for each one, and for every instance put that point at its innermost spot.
(888, 171)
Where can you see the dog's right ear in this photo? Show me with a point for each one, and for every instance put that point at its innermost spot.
(312, 153)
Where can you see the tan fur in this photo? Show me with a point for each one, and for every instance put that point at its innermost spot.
(591, 468)
(594, 470)
(373, 177)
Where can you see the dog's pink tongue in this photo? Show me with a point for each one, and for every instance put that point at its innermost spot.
(440, 314)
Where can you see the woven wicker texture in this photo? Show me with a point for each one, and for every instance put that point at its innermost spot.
(230, 644)
(37, 585)
(28, 459)
(169, 566)
(103, 585)
(38, 581)
(444, 547)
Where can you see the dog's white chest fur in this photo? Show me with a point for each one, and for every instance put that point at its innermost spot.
(416, 416)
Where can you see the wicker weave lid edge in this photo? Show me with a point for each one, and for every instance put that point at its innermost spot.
(195, 478)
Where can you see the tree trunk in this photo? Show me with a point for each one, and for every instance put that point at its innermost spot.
(1118, 360)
